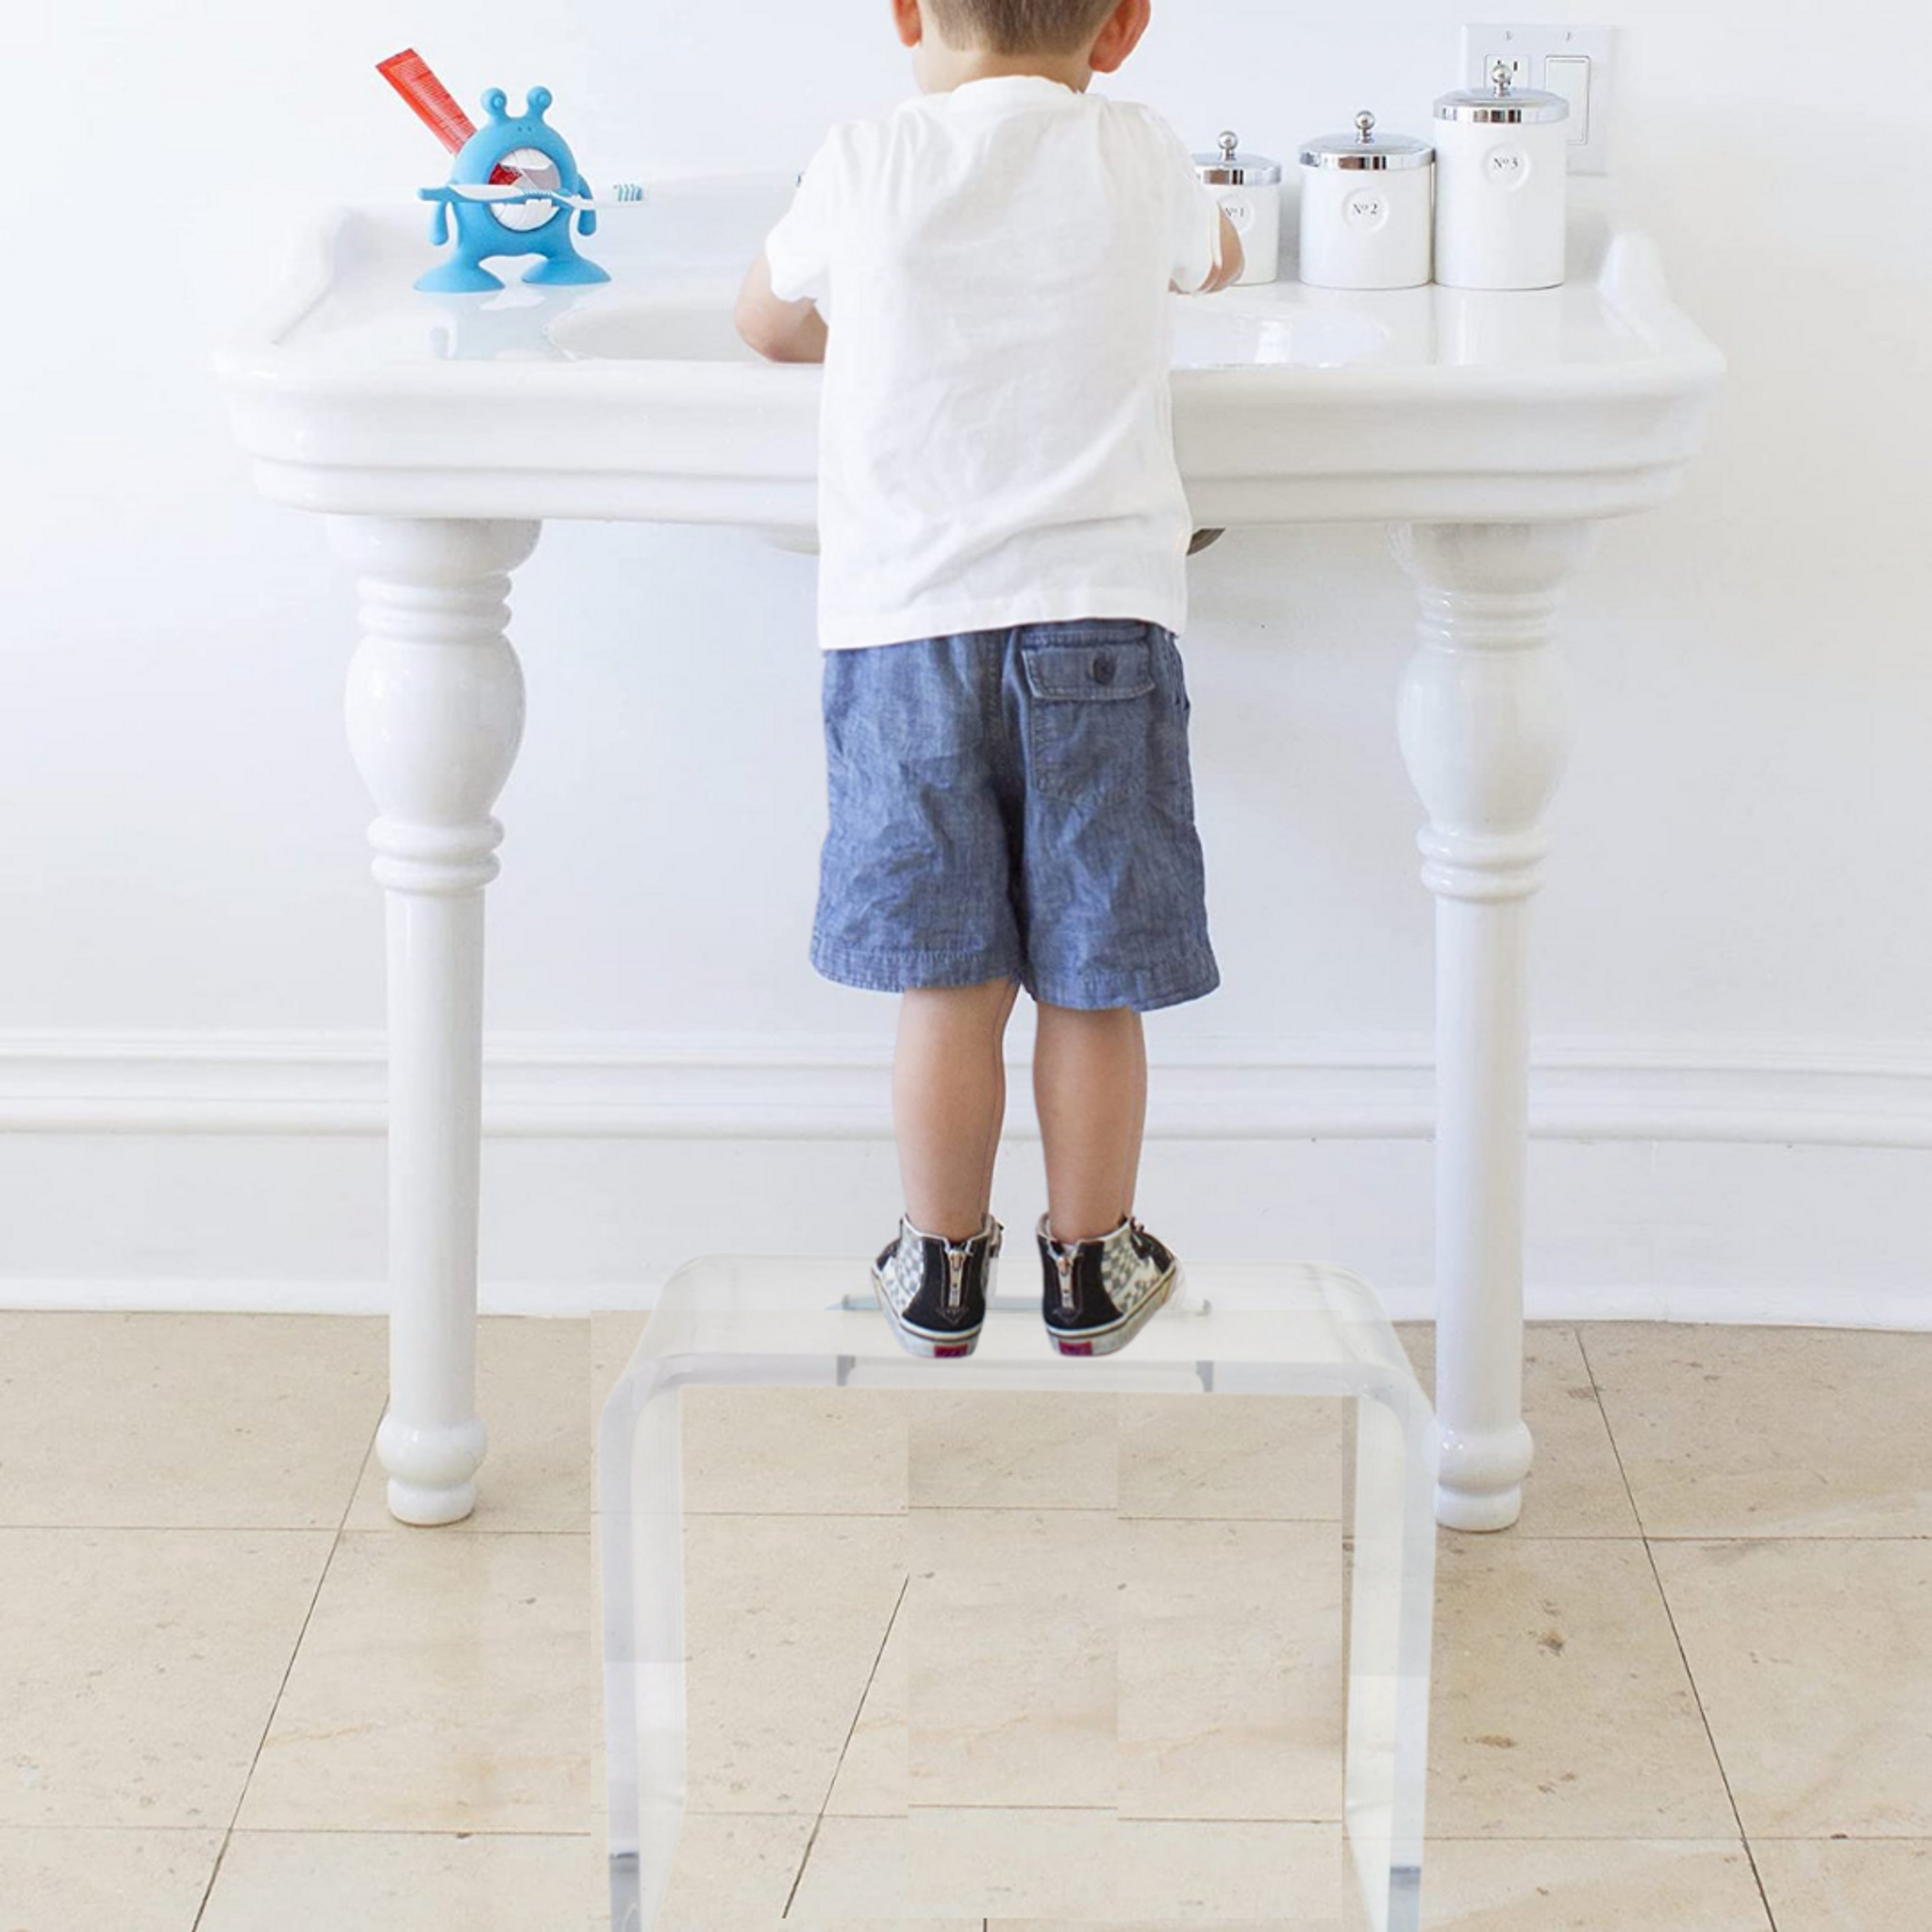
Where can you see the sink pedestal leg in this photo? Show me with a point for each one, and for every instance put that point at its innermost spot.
(1484, 736)
(435, 715)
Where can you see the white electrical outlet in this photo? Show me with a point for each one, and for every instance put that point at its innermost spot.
(1573, 62)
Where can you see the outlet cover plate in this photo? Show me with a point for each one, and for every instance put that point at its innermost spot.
(1529, 49)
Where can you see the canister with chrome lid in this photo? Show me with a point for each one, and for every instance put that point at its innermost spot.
(1502, 177)
(1368, 209)
(1249, 189)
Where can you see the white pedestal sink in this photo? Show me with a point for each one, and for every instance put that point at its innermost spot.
(1490, 431)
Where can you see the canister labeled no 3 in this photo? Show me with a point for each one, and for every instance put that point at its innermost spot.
(1502, 177)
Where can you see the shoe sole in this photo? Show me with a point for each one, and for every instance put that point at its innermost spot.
(1116, 1335)
(922, 1342)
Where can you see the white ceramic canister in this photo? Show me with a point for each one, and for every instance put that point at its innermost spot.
(1249, 189)
(1368, 209)
(1501, 173)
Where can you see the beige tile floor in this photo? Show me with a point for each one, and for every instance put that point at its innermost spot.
(1692, 1688)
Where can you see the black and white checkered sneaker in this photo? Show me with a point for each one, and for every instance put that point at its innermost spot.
(1100, 1292)
(933, 1290)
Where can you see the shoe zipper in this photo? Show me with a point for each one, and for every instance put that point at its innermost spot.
(955, 1289)
(1064, 1263)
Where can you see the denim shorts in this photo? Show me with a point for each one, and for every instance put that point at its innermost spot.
(1014, 804)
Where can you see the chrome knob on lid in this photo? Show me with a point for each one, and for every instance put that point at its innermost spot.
(1230, 168)
(1365, 127)
(1500, 75)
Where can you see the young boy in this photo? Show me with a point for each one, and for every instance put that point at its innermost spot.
(1003, 537)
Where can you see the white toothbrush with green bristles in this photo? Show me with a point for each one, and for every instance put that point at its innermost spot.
(625, 195)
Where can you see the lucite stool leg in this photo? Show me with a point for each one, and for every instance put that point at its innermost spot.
(640, 1460)
(645, 1725)
(1391, 1615)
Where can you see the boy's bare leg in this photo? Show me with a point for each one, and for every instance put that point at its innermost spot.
(1089, 1083)
(949, 1099)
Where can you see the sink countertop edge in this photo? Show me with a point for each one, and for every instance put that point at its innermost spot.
(1383, 442)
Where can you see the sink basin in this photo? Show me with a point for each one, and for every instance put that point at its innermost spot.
(692, 323)
(688, 325)
(635, 399)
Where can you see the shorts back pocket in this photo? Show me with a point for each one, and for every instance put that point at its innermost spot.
(1091, 708)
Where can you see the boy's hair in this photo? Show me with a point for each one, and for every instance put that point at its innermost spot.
(1022, 26)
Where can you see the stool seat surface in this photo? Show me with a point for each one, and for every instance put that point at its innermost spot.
(1276, 1327)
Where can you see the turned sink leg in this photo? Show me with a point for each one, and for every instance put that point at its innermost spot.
(435, 715)
(1485, 738)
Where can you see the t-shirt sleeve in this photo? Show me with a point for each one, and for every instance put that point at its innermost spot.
(800, 247)
(1193, 212)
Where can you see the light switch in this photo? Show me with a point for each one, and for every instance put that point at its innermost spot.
(1569, 74)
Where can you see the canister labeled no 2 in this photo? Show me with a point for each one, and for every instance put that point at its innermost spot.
(1502, 176)
(1249, 189)
(1367, 210)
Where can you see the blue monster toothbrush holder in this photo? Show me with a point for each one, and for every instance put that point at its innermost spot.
(532, 216)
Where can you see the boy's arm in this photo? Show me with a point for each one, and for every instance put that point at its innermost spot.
(779, 331)
(1233, 261)
(1208, 255)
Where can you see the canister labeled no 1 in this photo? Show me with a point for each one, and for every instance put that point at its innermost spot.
(1502, 174)
(1367, 210)
(1249, 189)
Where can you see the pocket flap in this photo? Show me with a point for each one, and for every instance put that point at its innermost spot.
(1119, 665)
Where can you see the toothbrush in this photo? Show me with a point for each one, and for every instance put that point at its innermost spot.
(623, 195)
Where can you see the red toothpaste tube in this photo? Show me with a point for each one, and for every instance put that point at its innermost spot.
(434, 104)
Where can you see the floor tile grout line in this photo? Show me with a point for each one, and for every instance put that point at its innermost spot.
(288, 1669)
(437, 1831)
(1795, 1536)
(1092, 1810)
(396, 1529)
(1517, 1535)
(1711, 1736)
(1038, 1506)
(1597, 1389)
(1329, 1825)
(965, 1509)
(851, 1730)
(455, 1529)
(1683, 1655)
(1326, 1825)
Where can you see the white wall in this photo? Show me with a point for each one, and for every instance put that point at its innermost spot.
(1736, 946)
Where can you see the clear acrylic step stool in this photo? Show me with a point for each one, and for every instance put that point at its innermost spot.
(1294, 1330)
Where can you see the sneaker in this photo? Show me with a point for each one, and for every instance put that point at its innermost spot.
(933, 1290)
(1100, 1292)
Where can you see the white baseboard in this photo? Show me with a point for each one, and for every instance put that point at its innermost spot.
(1741, 1181)
(1865, 1093)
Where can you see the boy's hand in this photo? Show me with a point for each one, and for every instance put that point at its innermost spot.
(1234, 259)
(779, 331)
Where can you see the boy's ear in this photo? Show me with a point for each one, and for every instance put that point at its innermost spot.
(1121, 35)
(905, 19)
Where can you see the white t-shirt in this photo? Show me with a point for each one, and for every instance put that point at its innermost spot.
(996, 447)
